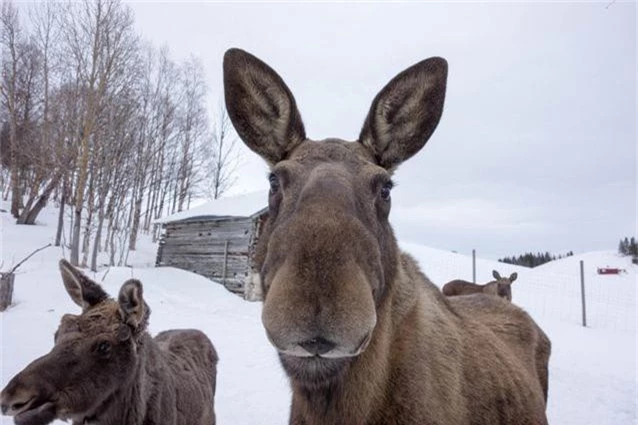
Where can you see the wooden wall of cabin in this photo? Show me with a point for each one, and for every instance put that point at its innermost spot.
(217, 249)
(253, 290)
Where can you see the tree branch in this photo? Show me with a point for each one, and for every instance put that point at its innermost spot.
(27, 257)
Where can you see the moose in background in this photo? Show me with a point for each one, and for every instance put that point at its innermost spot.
(501, 287)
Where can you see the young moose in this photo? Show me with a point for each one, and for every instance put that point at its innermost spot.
(105, 369)
(501, 287)
(363, 335)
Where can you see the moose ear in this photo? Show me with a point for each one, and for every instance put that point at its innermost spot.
(496, 275)
(261, 107)
(83, 291)
(134, 309)
(405, 113)
(513, 277)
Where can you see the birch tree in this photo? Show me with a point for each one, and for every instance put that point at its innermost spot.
(100, 40)
(48, 170)
(10, 34)
(225, 156)
(117, 132)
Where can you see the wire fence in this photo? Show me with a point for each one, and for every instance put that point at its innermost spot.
(610, 301)
(552, 292)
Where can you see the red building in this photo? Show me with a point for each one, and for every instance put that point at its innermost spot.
(609, 270)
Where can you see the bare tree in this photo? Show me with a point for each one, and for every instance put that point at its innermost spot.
(193, 131)
(117, 164)
(147, 135)
(225, 156)
(32, 157)
(46, 159)
(165, 113)
(99, 37)
(65, 110)
(10, 38)
(116, 132)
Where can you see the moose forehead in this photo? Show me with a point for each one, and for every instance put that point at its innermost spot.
(332, 149)
(338, 157)
(101, 318)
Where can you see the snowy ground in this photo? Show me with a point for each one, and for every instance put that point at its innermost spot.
(592, 370)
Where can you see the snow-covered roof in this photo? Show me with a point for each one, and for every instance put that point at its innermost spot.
(247, 205)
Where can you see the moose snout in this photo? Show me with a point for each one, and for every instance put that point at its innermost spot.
(310, 311)
(12, 404)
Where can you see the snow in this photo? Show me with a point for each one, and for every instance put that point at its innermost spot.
(245, 205)
(592, 369)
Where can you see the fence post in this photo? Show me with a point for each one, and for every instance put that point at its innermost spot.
(582, 291)
(474, 266)
(225, 262)
(6, 290)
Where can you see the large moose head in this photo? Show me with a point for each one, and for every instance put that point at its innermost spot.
(328, 255)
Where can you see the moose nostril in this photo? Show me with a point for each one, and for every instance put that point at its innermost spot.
(317, 346)
(13, 408)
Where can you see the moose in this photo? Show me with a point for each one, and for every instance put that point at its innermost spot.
(363, 335)
(106, 369)
(501, 287)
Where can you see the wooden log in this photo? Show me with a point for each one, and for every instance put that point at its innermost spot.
(216, 261)
(6, 290)
(245, 228)
(198, 256)
(214, 274)
(220, 222)
(233, 269)
(206, 227)
(215, 244)
(214, 236)
(170, 248)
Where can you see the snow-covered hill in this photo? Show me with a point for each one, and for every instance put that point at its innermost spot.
(592, 370)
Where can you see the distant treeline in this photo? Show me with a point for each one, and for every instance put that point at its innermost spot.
(628, 246)
(529, 259)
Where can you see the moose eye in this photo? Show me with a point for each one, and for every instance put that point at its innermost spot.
(274, 183)
(103, 348)
(385, 190)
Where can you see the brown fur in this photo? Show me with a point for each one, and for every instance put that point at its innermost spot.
(363, 335)
(105, 369)
(501, 287)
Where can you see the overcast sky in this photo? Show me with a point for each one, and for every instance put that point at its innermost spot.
(536, 149)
